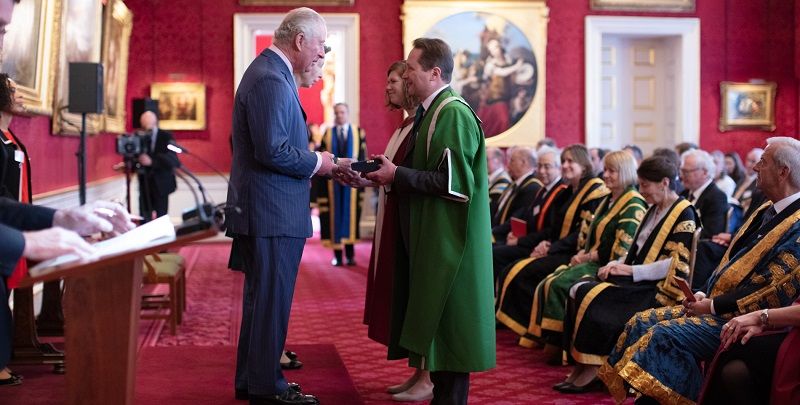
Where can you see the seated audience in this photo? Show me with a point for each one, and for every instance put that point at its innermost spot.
(746, 191)
(609, 237)
(597, 155)
(515, 284)
(659, 351)
(697, 175)
(721, 178)
(549, 142)
(641, 279)
(685, 146)
(675, 159)
(734, 167)
(539, 216)
(635, 151)
(498, 176)
(519, 194)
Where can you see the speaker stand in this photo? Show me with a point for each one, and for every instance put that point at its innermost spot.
(82, 161)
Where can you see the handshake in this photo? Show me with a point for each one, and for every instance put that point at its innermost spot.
(369, 173)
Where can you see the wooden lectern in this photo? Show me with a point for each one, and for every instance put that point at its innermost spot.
(101, 321)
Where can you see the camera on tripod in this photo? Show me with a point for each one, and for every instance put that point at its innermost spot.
(130, 145)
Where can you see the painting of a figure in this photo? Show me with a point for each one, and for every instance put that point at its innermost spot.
(20, 43)
(82, 28)
(747, 106)
(116, 39)
(494, 66)
(181, 106)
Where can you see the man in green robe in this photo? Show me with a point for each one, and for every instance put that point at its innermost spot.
(443, 311)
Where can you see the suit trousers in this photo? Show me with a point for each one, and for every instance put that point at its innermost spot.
(450, 388)
(270, 269)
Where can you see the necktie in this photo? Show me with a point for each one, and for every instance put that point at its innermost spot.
(418, 118)
(153, 141)
(342, 142)
(771, 212)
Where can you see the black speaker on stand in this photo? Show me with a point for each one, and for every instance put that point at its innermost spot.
(85, 97)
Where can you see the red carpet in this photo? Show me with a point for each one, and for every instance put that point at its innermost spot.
(190, 375)
(325, 320)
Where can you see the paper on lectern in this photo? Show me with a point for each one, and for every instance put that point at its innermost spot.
(136, 238)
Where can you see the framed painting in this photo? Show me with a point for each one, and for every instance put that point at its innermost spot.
(80, 42)
(31, 52)
(747, 106)
(181, 106)
(499, 60)
(340, 78)
(687, 6)
(117, 26)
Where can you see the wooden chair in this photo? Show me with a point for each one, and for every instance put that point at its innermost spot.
(165, 268)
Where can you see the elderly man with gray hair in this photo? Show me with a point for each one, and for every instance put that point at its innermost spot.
(269, 194)
(697, 175)
(519, 194)
(660, 350)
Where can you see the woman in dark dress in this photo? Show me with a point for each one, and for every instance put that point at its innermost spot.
(14, 183)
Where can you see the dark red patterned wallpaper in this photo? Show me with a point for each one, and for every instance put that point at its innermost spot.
(192, 40)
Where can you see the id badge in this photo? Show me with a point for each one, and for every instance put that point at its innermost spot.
(19, 156)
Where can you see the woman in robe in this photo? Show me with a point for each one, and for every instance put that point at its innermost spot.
(380, 276)
(517, 281)
(610, 235)
(637, 281)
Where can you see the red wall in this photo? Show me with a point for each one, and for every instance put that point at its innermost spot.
(191, 40)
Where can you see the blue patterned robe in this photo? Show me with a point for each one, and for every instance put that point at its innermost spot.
(659, 351)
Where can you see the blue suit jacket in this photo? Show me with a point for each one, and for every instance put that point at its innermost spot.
(271, 162)
(16, 217)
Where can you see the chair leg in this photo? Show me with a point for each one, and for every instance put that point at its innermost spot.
(181, 296)
(173, 306)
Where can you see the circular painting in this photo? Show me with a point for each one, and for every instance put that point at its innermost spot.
(494, 69)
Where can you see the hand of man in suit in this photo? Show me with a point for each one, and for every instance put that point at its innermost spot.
(145, 160)
(54, 242)
(385, 174)
(326, 167)
(99, 216)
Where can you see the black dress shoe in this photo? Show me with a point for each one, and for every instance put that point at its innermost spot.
(335, 262)
(351, 261)
(560, 385)
(289, 397)
(594, 385)
(293, 364)
(243, 395)
(290, 355)
(13, 380)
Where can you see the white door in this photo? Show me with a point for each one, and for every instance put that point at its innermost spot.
(638, 92)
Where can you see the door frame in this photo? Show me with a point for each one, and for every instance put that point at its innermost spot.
(687, 100)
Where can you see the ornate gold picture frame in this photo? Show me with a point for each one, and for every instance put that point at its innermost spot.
(747, 106)
(79, 42)
(31, 48)
(116, 41)
(499, 52)
(686, 6)
(181, 106)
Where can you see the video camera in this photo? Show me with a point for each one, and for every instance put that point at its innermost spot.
(130, 145)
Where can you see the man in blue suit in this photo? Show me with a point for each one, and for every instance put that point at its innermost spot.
(268, 198)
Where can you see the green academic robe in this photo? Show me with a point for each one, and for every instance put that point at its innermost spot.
(449, 320)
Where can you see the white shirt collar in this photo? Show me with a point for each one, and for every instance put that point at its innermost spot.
(782, 204)
(285, 60)
(428, 101)
(700, 190)
(495, 174)
(552, 183)
(522, 178)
